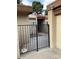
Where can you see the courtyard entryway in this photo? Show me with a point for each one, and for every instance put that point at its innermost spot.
(31, 39)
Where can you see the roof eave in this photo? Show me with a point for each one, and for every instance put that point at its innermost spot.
(23, 10)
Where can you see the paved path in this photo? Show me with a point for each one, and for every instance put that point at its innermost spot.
(45, 53)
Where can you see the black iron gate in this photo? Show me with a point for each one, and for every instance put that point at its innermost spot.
(31, 39)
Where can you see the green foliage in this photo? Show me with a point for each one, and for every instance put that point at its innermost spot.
(19, 1)
(37, 7)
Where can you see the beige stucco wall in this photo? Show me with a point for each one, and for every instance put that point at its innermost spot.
(58, 31)
(25, 20)
(32, 18)
(55, 29)
(22, 20)
(52, 28)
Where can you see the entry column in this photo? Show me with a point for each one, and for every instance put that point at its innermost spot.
(52, 28)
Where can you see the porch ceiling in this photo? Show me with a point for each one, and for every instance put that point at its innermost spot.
(23, 10)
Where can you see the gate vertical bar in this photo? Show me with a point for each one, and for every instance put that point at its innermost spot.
(20, 39)
(48, 36)
(37, 37)
(25, 37)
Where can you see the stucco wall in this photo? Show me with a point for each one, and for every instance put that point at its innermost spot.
(22, 20)
(52, 28)
(25, 20)
(58, 31)
(55, 29)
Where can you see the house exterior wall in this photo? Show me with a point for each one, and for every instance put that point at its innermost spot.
(22, 20)
(33, 19)
(52, 28)
(58, 31)
(54, 22)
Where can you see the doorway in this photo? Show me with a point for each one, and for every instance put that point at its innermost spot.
(40, 25)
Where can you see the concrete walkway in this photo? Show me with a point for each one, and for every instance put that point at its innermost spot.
(45, 53)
